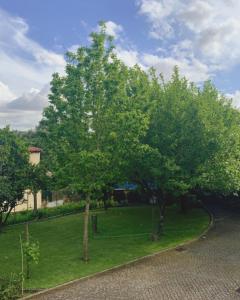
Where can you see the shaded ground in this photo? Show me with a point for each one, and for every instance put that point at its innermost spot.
(207, 269)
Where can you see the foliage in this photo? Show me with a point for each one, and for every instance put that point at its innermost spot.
(10, 289)
(13, 172)
(30, 254)
(68, 208)
(192, 140)
(37, 177)
(94, 120)
(108, 123)
(31, 251)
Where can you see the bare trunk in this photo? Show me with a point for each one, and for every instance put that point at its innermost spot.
(162, 201)
(7, 215)
(27, 241)
(27, 232)
(85, 230)
(1, 221)
(22, 265)
(35, 201)
(183, 204)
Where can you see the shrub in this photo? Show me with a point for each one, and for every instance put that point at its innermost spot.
(112, 203)
(68, 208)
(10, 289)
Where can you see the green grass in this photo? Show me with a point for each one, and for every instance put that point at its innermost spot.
(117, 242)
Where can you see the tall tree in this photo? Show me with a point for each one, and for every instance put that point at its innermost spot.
(94, 122)
(221, 172)
(190, 140)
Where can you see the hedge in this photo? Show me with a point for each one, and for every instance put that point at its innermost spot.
(65, 209)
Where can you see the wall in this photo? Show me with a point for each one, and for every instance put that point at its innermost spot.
(28, 201)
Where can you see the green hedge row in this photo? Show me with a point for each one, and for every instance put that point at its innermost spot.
(68, 208)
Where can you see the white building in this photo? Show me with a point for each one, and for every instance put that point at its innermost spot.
(28, 202)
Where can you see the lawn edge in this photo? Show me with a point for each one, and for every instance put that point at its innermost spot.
(132, 262)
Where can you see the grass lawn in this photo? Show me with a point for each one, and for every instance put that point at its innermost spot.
(123, 236)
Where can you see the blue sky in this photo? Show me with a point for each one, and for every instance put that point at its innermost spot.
(202, 37)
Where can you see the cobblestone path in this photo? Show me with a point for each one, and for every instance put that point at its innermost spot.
(207, 269)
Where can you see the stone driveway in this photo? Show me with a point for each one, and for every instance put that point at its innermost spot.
(207, 269)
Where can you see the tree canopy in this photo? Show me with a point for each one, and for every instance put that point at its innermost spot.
(95, 120)
(13, 172)
(108, 123)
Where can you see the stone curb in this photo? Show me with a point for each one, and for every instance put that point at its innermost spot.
(122, 266)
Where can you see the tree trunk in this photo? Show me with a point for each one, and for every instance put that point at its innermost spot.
(22, 265)
(105, 199)
(162, 201)
(1, 221)
(7, 216)
(35, 208)
(27, 241)
(85, 230)
(183, 204)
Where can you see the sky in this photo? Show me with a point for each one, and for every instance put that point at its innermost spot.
(201, 37)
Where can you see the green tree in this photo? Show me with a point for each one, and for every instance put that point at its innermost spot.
(221, 172)
(192, 141)
(13, 173)
(94, 122)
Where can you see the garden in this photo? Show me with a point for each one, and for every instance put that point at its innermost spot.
(108, 125)
(123, 235)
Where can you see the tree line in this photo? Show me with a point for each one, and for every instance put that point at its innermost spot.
(108, 123)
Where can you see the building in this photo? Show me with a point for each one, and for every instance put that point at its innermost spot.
(28, 202)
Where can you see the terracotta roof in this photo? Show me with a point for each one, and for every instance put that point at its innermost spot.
(34, 149)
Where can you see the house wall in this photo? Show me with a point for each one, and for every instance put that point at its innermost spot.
(28, 201)
(34, 158)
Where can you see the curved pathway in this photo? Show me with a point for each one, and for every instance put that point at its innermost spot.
(207, 269)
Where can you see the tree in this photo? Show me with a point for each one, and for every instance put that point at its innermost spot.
(13, 171)
(221, 173)
(94, 122)
(192, 141)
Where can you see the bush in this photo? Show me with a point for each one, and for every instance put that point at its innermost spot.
(112, 203)
(10, 289)
(69, 208)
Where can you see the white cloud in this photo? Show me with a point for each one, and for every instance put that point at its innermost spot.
(34, 100)
(190, 67)
(113, 29)
(212, 26)
(24, 63)
(157, 13)
(13, 37)
(74, 48)
(129, 56)
(5, 93)
(193, 69)
(16, 119)
(235, 98)
(25, 66)
(197, 15)
(24, 112)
